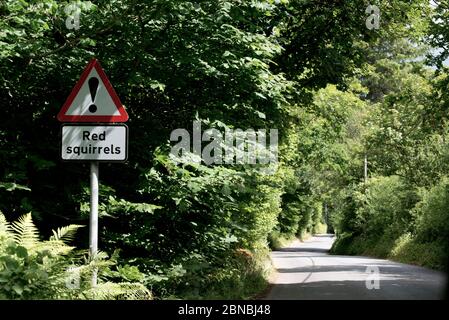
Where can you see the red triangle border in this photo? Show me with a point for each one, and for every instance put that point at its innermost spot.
(123, 117)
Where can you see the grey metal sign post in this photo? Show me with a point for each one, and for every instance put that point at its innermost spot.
(93, 227)
(94, 105)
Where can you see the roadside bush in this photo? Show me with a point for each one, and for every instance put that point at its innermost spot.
(432, 213)
(288, 221)
(294, 217)
(318, 224)
(375, 215)
(385, 204)
(301, 214)
(198, 217)
(408, 249)
(389, 222)
(380, 207)
(259, 213)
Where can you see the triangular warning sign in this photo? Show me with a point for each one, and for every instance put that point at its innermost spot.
(93, 99)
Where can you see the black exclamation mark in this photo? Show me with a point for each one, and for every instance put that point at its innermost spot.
(93, 86)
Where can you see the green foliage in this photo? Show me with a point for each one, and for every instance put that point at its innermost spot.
(65, 234)
(26, 233)
(388, 219)
(260, 211)
(410, 249)
(400, 211)
(117, 291)
(385, 206)
(278, 240)
(379, 209)
(432, 215)
(33, 269)
(13, 186)
(242, 275)
(30, 269)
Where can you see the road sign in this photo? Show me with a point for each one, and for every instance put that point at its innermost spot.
(94, 142)
(93, 99)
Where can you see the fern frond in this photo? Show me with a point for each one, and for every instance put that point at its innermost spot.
(26, 233)
(119, 291)
(55, 248)
(5, 226)
(99, 260)
(65, 234)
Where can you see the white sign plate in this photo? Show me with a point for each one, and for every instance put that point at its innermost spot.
(94, 142)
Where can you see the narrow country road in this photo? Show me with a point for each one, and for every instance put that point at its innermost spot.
(306, 271)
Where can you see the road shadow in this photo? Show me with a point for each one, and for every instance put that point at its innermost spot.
(389, 269)
(304, 249)
(324, 235)
(355, 290)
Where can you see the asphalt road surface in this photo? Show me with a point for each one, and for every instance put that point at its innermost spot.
(306, 271)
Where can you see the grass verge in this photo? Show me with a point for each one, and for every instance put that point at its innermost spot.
(404, 249)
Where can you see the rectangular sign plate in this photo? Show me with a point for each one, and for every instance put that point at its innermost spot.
(94, 142)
